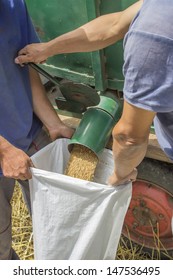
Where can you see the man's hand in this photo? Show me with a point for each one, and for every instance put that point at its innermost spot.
(15, 163)
(115, 181)
(32, 53)
(60, 130)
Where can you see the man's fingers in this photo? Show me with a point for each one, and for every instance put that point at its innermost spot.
(22, 59)
(113, 181)
(31, 53)
(23, 178)
(133, 175)
(31, 163)
(23, 51)
(27, 175)
(42, 62)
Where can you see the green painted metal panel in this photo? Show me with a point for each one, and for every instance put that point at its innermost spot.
(114, 53)
(55, 17)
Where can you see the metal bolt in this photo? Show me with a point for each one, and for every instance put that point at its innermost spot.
(135, 225)
(154, 219)
(146, 210)
(161, 216)
(155, 229)
(142, 222)
(142, 203)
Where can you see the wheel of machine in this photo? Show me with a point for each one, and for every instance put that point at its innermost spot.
(149, 219)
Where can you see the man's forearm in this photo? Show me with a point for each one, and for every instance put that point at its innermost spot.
(95, 35)
(127, 156)
(41, 104)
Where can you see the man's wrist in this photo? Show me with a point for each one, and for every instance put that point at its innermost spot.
(4, 145)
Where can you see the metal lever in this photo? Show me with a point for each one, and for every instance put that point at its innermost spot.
(44, 73)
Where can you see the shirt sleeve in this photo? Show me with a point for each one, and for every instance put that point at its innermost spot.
(148, 71)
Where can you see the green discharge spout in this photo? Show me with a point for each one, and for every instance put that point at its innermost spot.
(96, 125)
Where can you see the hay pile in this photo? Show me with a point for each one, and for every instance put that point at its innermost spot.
(21, 227)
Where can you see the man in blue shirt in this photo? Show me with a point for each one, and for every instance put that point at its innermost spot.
(148, 88)
(24, 109)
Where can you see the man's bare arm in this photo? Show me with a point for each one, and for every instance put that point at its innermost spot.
(96, 34)
(130, 140)
(44, 110)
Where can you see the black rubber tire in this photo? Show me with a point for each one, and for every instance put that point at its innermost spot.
(161, 175)
(157, 172)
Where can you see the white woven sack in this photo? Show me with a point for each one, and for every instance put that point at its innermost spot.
(74, 219)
